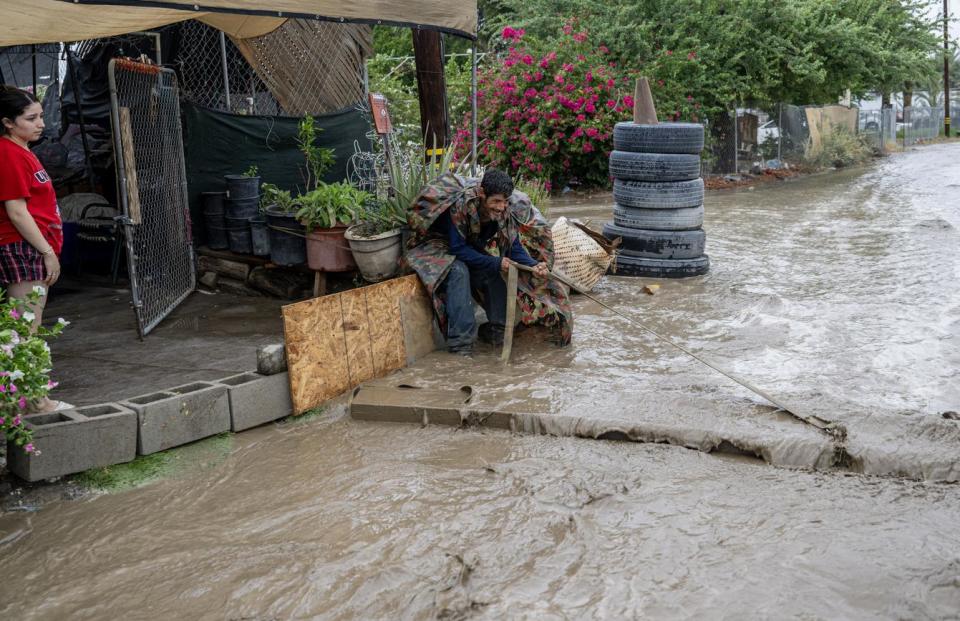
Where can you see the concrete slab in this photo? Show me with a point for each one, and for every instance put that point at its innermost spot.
(75, 440)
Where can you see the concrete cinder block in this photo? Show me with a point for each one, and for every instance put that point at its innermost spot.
(180, 415)
(256, 399)
(271, 359)
(75, 440)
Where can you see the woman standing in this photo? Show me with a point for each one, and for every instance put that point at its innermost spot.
(31, 233)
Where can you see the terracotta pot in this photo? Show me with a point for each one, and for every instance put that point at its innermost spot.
(327, 250)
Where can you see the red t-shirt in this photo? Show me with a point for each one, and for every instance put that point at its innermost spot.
(22, 176)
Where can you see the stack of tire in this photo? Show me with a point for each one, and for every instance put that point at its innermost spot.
(659, 200)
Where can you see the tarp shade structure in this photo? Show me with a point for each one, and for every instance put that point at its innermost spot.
(48, 21)
(218, 144)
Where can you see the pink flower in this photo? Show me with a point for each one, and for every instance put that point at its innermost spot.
(691, 55)
(16, 420)
(580, 37)
(3, 388)
(22, 403)
(589, 76)
(628, 101)
(604, 49)
(558, 79)
(577, 133)
(567, 67)
(14, 313)
(611, 103)
(538, 76)
(567, 29)
(669, 52)
(527, 59)
(2, 420)
(512, 34)
(530, 93)
(13, 388)
(588, 147)
(52, 384)
(592, 132)
(29, 447)
(581, 118)
(689, 97)
(590, 108)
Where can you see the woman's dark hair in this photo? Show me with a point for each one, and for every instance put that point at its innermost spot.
(496, 182)
(13, 101)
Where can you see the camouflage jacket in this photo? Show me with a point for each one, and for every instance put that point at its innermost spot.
(428, 250)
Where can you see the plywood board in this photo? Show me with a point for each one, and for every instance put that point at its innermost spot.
(316, 351)
(356, 335)
(336, 342)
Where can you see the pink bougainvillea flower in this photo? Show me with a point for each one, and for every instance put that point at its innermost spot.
(628, 101)
(567, 67)
(588, 147)
(668, 52)
(611, 103)
(581, 118)
(580, 37)
(22, 403)
(558, 79)
(689, 97)
(538, 76)
(589, 76)
(691, 55)
(604, 49)
(590, 108)
(567, 29)
(527, 59)
(2, 420)
(16, 420)
(577, 133)
(3, 388)
(592, 132)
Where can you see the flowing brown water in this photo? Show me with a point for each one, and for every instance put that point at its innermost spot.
(839, 292)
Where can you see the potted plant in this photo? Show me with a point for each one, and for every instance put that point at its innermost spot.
(285, 233)
(325, 212)
(375, 240)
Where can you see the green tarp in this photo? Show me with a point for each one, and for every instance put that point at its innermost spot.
(218, 144)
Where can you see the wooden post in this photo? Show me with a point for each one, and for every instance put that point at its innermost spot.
(431, 88)
(644, 110)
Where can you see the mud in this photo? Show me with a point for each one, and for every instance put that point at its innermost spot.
(837, 293)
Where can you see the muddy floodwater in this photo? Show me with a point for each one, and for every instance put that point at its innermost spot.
(838, 293)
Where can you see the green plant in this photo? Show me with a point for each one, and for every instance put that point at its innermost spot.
(330, 204)
(253, 171)
(319, 159)
(838, 147)
(272, 195)
(24, 364)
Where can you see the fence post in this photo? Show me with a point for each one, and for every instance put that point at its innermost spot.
(226, 75)
(780, 134)
(736, 140)
(473, 110)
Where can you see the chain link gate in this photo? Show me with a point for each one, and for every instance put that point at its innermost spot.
(148, 146)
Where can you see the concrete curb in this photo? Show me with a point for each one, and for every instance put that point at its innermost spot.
(71, 441)
(256, 399)
(180, 415)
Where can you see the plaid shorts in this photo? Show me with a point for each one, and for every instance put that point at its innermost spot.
(20, 262)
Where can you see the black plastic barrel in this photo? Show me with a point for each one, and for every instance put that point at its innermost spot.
(242, 207)
(238, 235)
(213, 214)
(239, 186)
(288, 246)
(260, 236)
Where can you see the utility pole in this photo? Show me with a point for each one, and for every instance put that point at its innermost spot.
(946, 71)
(432, 90)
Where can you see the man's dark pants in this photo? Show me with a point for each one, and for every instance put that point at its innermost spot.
(458, 286)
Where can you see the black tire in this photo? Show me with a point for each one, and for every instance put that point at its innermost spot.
(683, 219)
(625, 165)
(661, 268)
(651, 195)
(659, 138)
(657, 244)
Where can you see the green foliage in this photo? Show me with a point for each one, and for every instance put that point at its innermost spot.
(330, 204)
(839, 148)
(142, 470)
(270, 194)
(24, 364)
(318, 159)
(251, 172)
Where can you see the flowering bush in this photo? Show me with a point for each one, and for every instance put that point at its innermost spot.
(550, 115)
(24, 365)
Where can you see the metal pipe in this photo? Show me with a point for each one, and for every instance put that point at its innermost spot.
(33, 62)
(946, 71)
(473, 112)
(226, 74)
(72, 68)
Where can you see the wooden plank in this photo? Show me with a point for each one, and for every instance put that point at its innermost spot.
(336, 342)
(356, 334)
(230, 269)
(130, 166)
(316, 351)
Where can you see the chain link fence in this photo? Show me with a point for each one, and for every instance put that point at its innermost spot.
(921, 123)
(148, 144)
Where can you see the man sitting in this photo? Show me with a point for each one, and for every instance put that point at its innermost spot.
(463, 241)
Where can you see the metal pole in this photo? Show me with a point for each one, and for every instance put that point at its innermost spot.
(33, 61)
(473, 113)
(946, 71)
(780, 136)
(226, 75)
(736, 156)
(72, 68)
